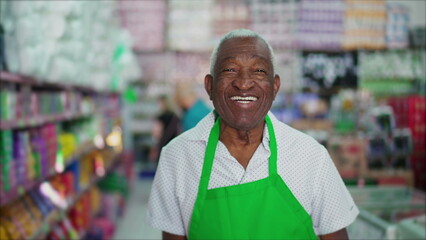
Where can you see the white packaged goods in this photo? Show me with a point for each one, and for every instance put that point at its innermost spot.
(229, 15)
(319, 24)
(71, 42)
(274, 20)
(146, 22)
(397, 26)
(190, 25)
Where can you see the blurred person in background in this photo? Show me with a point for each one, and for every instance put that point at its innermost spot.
(241, 173)
(193, 108)
(166, 127)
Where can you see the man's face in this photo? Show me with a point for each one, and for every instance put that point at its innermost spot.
(244, 85)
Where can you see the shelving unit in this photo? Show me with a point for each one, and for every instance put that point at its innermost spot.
(21, 190)
(59, 143)
(59, 214)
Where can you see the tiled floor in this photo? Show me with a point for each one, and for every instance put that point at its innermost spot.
(132, 225)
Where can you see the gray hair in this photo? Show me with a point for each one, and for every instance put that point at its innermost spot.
(239, 33)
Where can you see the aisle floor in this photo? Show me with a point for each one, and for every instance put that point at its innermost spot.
(132, 225)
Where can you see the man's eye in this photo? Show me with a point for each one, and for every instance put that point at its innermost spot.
(260, 70)
(228, 70)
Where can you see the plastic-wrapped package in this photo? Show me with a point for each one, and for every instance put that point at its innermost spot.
(320, 24)
(364, 24)
(192, 20)
(397, 26)
(68, 42)
(146, 22)
(229, 15)
(274, 20)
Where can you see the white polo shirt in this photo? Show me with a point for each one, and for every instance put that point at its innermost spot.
(303, 164)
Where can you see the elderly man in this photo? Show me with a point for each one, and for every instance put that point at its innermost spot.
(242, 174)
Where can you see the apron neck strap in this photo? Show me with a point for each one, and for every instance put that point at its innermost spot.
(211, 151)
(272, 147)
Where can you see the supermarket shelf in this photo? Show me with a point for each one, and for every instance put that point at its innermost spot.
(59, 214)
(40, 120)
(16, 192)
(16, 78)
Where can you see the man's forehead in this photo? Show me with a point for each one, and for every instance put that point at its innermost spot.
(244, 44)
(242, 41)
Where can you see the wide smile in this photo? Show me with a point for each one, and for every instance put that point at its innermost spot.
(244, 99)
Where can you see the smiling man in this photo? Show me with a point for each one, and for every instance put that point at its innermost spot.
(242, 174)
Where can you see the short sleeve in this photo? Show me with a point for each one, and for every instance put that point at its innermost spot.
(333, 206)
(163, 207)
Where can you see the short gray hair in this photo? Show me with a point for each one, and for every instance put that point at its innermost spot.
(239, 33)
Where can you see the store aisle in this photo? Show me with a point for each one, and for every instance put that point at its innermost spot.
(132, 225)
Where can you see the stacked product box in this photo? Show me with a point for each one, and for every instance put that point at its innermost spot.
(190, 67)
(156, 66)
(229, 15)
(274, 20)
(7, 101)
(397, 25)
(50, 103)
(146, 22)
(287, 67)
(50, 133)
(21, 217)
(349, 154)
(320, 24)
(364, 24)
(7, 175)
(24, 163)
(391, 72)
(190, 25)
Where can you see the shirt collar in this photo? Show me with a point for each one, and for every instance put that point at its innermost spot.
(202, 131)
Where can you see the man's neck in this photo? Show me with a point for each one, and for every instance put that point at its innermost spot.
(241, 144)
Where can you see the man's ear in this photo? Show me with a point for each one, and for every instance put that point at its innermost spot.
(208, 84)
(277, 84)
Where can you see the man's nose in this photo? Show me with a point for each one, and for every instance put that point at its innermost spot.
(244, 80)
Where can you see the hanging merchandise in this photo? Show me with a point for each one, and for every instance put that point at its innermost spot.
(320, 24)
(146, 21)
(274, 20)
(364, 24)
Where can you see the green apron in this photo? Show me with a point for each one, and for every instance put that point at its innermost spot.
(263, 209)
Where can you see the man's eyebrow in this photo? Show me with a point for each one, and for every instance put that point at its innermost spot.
(228, 58)
(259, 56)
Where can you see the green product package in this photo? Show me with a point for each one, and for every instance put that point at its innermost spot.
(114, 182)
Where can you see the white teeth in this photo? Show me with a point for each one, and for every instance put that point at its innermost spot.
(243, 99)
